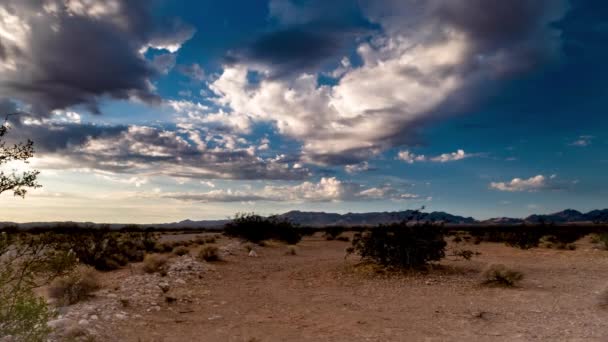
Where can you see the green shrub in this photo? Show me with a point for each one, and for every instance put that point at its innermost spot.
(501, 275)
(401, 245)
(74, 287)
(209, 253)
(27, 262)
(256, 228)
(181, 250)
(25, 317)
(154, 263)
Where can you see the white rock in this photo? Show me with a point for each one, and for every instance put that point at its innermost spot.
(120, 316)
(180, 281)
(83, 322)
(59, 323)
(253, 254)
(94, 317)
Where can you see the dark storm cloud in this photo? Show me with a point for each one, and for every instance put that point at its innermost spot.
(66, 55)
(307, 36)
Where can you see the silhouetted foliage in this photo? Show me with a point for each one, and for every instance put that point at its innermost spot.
(257, 228)
(17, 183)
(401, 245)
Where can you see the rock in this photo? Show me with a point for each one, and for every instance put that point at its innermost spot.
(164, 286)
(253, 254)
(180, 281)
(120, 316)
(58, 324)
(94, 317)
(83, 322)
(112, 295)
(214, 317)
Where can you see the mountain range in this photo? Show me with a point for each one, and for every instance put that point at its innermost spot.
(320, 219)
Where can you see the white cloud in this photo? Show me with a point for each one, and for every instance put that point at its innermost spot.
(517, 184)
(582, 141)
(354, 168)
(446, 157)
(327, 189)
(410, 157)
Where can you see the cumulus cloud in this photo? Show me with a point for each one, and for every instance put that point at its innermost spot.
(151, 151)
(535, 183)
(60, 53)
(325, 190)
(426, 60)
(410, 157)
(355, 168)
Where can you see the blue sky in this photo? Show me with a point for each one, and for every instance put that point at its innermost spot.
(160, 111)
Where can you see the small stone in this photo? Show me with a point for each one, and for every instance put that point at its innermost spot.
(120, 316)
(214, 317)
(94, 317)
(112, 295)
(180, 281)
(83, 322)
(164, 286)
(59, 323)
(253, 254)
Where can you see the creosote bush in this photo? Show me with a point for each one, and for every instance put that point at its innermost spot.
(181, 250)
(154, 263)
(291, 250)
(209, 253)
(401, 245)
(74, 287)
(257, 228)
(500, 275)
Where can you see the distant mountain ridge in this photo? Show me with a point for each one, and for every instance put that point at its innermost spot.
(316, 219)
(320, 219)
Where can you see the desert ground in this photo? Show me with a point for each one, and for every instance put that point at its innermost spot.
(319, 295)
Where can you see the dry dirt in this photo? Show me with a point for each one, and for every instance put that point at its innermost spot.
(318, 295)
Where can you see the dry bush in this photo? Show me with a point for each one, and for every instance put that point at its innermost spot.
(249, 247)
(165, 247)
(209, 253)
(74, 287)
(181, 250)
(154, 263)
(291, 250)
(210, 239)
(343, 238)
(500, 275)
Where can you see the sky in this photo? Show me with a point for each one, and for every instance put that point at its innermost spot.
(159, 111)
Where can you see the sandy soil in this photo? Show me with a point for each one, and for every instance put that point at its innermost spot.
(318, 295)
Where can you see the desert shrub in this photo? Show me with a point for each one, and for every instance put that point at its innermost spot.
(401, 245)
(105, 249)
(603, 239)
(500, 275)
(181, 250)
(249, 246)
(291, 250)
(163, 247)
(256, 228)
(210, 239)
(465, 254)
(331, 233)
(551, 241)
(28, 318)
(343, 238)
(209, 253)
(75, 286)
(27, 262)
(154, 263)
